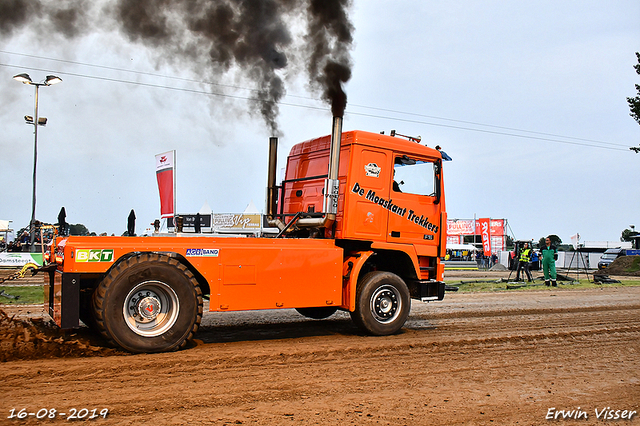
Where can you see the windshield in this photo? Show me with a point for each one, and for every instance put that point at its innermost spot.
(610, 256)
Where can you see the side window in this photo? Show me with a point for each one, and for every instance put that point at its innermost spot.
(414, 176)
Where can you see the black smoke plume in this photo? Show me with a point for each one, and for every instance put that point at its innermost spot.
(66, 17)
(213, 37)
(329, 45)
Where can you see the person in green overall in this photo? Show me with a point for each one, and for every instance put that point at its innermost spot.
(523, 262)
(549, 256)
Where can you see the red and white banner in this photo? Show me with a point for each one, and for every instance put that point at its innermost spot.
(457, 229)
(454, 239)
(165, 173)
(467, 227)
(460, 227)
(485, 232)
(497, 242)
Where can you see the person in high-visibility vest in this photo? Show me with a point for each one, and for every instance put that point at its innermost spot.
(523, 262)
(549, 256)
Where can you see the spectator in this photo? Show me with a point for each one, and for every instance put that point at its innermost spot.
(479, 257)
(523, 262)
(549, 254)
(444, 155)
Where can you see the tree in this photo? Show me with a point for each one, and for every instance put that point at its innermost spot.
(78, 229)
(628, 234)
(634, 103)
(509, 243)
(555, 241)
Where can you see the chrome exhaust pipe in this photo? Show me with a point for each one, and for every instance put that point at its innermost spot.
(272, 191)
(271, 177)
(331, 184)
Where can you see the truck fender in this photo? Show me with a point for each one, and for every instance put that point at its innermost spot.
(353, 264)
(204, 285)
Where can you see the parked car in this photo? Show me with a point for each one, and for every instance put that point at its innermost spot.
(609, 256)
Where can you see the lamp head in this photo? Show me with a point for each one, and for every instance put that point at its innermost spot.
(52, 79)
(23, 78)
(42, 121)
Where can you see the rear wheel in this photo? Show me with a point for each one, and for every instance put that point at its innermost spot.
(321, 312)
(148, 303)
(382, 303)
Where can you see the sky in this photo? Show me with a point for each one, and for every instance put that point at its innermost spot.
(528, 98)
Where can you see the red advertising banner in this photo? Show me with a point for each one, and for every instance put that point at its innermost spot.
(460, 227)
(166, 182)
(485, 232)
(497, 242)
(454, 239)
(466, 227)
(497, 227)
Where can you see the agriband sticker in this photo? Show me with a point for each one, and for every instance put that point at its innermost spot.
(372, 170)
(94, 255)
(202, 252)
(393, 208)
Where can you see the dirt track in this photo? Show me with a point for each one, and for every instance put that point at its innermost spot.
(489, 358)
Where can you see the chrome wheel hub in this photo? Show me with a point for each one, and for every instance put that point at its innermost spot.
(386, 304)
(151, 308)
(148, 307)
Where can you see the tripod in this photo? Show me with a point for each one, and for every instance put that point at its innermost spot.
(518, 247)
(584, 265)
(524, 273)
(511, 266)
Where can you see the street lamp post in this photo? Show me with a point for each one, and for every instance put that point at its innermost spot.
(50, 80)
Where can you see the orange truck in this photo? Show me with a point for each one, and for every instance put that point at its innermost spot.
(359, 225)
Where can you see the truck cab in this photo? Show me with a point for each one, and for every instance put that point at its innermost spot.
(391, 198)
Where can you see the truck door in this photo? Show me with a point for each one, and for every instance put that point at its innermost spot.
(416, 191)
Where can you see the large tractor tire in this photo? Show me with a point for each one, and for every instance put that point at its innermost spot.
(148, 303)
(382, 303)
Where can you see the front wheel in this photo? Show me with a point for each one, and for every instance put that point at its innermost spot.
(148, 303)
(382, 303)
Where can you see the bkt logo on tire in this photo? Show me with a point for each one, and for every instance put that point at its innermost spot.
(93, 255)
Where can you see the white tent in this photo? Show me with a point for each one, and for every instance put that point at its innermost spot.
(461, 247)
(205, 209)
(5, 228)
(251, 209)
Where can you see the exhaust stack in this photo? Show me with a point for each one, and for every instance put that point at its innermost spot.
(271, 177)
(331, 184)
(272, 191)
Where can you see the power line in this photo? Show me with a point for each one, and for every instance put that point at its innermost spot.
(150, 74)
(137, 83)
(485, 125)
(493, 132)
(195, 91)
(314, 99)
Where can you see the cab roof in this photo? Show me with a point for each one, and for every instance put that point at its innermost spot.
(360, 137)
